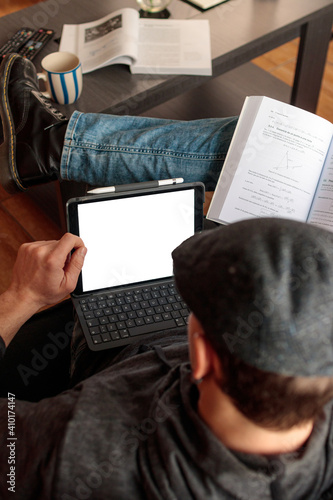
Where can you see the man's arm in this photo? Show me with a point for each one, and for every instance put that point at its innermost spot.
(44, 273)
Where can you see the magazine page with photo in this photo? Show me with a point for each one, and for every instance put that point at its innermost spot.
(147, 46)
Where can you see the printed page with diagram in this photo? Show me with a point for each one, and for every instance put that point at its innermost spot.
(274, 163)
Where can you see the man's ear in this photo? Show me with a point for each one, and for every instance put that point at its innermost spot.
(202, 356)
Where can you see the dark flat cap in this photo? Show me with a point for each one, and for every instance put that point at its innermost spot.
(263, 288)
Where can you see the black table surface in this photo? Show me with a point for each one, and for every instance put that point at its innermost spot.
(240, 31)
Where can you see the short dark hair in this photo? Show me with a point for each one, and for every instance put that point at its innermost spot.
(272, 400)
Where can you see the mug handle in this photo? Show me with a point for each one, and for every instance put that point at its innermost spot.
(42, 76)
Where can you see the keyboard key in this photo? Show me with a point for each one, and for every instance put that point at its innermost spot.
(92, 322)
(94, 330)
(130, 323)
(180, 322)
(153, 327)
(106, 337)
(97, 339)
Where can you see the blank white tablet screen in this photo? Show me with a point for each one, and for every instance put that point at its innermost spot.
(130, 240)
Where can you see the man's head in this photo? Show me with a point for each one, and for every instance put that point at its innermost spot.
(262, 290)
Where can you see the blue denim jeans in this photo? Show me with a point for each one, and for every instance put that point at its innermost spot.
(105, 150)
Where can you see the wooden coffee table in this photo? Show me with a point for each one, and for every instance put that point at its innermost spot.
(240, 31)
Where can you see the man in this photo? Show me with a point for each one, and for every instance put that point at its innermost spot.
(249, 417)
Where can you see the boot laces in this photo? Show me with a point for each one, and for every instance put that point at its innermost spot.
(47, 104)
(54, 110)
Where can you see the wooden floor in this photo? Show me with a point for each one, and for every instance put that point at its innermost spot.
(22, 221)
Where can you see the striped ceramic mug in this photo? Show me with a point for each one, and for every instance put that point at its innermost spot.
(62, 73)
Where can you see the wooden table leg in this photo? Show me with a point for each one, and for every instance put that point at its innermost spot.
(315, 37)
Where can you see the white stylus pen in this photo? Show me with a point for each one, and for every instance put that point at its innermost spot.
(137, 185)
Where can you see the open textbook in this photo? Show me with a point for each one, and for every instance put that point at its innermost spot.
(160, 46)
(279, 164)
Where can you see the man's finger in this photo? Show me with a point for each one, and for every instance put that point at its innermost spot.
(66, 244)
(74, 266)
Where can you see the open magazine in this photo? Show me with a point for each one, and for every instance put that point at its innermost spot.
(279, 164)
(161, 46)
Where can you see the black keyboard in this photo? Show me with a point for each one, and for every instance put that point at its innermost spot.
(114, 317)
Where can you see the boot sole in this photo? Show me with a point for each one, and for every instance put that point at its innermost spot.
(9, 177)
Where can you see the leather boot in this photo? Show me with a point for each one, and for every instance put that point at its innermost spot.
(32, 129)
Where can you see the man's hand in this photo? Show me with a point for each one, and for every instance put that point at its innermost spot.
(44, 273)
